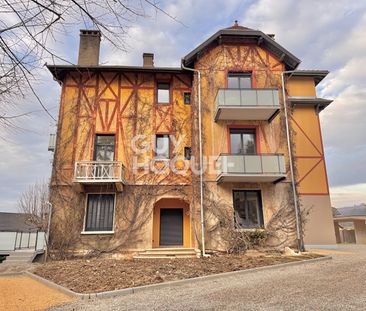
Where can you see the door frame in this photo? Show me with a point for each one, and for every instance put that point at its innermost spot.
(165, 203)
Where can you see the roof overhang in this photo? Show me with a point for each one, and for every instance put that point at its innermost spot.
(244, 36)
(59, 71)
(318, 103)
(349, 218)
(250, 113)
(317, 75)
(266, 178)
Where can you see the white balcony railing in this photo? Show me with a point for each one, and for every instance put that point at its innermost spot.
(251, 168)
(99, 172)
(246, 104)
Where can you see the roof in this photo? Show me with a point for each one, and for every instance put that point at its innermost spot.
(335, 212)
(317, 75)
(239, 33)
(237, 26)
(318, 103)
(59, 71)
(356, 210)
(15, 222)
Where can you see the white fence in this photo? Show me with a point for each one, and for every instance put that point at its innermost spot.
(13, 240)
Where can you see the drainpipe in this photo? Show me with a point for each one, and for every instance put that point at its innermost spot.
(296, 207)
(201, 154)
(50, 208)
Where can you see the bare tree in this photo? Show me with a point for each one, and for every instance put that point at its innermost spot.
(33, 202)
(28, 28)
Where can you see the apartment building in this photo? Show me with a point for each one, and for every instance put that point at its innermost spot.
(131, 141)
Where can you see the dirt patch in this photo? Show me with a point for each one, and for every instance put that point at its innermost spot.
(25, 294)
(97, 275)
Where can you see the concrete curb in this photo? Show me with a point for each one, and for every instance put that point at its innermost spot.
(133, 290)
(53, 285)
(11, 273)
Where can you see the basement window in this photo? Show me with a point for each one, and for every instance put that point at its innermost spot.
(99, 212)
(163, 93)
(248, 211)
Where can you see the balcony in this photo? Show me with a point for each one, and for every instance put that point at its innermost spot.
(247, 104)
(251, 168)
(98, 173)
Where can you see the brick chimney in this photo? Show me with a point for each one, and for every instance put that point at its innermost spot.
(148, 59)
(89, 47)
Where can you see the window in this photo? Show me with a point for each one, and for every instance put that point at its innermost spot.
(104, 148)
(162, 147)
(99, 212)
(242, 141)
(239, 81)
(247, 209)
(187, 153)
(163, 93)
(187, 98)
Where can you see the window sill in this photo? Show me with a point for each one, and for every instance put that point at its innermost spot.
(96, 232)
(250, 229)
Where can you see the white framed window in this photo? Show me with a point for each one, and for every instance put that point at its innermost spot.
(248, 212)
(163, 96)
(162, 148)
(99, 213)
(104, 147)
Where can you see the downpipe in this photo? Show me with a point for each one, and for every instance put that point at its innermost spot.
(201, 154)
(50, 209)
(300, 242)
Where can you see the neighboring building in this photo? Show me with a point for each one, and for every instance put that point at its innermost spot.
(16, 222)
(17, 232)
(120, 125)
(350, 224)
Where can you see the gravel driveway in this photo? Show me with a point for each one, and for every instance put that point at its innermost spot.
(22, 293)
(338, 284)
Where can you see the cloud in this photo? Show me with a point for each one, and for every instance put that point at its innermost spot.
(22, 162)
(348, 195)
(328, 35)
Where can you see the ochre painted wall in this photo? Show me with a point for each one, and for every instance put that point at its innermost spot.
(123, 104)
(308, 152)
(301, 86)
(310, 167)
(266, 73)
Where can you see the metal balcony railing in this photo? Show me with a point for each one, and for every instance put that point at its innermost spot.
(248, 97)
(98, 171)
(251, 166)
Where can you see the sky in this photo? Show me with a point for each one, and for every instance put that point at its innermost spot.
(323, 34)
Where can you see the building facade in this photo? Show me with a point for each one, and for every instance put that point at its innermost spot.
(126, 171)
